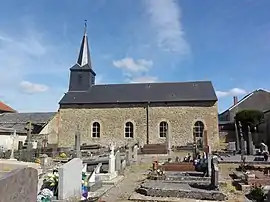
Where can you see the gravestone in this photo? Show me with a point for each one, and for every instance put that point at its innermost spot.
(245, 147)
(231, 146)
(78, 143)
(112, 161)
(95, 180)
(135, 153)
(215, 172)
(70, 179)
(19, 185)
(168, 141)
(129, 156)
(123, 164)
(177, 159)
(205, 141)
(117, 161)
(237, 143)
(250, 143)
(209, 157)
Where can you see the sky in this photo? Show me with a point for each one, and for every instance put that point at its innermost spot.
(226, 42)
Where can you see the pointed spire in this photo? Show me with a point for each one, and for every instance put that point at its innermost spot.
(84, 55)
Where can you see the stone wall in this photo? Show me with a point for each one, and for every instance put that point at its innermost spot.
(180, 119)
(19, 185)
(50, 131)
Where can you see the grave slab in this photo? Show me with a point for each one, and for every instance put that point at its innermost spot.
(159, 189)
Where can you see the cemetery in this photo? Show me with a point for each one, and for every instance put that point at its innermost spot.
(89, 172)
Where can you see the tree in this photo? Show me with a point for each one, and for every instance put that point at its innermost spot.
(250, 117)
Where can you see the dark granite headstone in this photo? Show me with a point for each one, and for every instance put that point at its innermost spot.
(214, 173)
(177, 159)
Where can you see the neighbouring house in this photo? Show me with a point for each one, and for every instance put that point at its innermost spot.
(266, 125)
(19, 122)
(5, 108)
(147, 113)
(256, 100)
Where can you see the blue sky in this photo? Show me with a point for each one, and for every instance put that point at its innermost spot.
(227, 42)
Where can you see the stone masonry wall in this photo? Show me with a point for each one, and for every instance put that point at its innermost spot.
(180, 121)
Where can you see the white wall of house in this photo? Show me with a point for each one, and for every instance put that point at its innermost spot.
(6, 141)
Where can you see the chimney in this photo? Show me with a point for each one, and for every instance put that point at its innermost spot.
(235, 100)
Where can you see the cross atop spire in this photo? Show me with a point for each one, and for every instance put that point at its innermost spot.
(84, 55)
(85, 27)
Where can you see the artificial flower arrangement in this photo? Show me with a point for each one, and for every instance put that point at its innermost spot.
(49, 188)
(84, 186)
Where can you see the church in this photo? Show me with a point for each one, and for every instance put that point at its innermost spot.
(145, 113)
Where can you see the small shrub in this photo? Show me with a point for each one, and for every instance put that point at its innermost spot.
(257, 193)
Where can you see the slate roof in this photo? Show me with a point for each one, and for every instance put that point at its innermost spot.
(19, 121)
(5, 108)
(143, 92)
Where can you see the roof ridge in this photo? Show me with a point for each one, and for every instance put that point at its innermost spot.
(170, 82)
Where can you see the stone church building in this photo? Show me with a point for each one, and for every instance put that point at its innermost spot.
(143, 112)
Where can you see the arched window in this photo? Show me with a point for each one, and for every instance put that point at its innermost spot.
(96, 129)
(198, 129)
(163, 129)
(129, 130)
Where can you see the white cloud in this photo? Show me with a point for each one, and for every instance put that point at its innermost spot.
(26, 55)
(144, 79)
(130, 65)
(165, 16)
(231, 92)
(31, 88)
(135, 71)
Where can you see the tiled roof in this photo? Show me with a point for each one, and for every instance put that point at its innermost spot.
(19, 121)
(5, 108)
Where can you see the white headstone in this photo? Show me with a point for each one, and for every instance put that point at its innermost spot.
(70, 179)
(112, 162)
(135, 153)
(117, 161)
(93, 178)
(84, 170)
(112, 149)
(13, 136)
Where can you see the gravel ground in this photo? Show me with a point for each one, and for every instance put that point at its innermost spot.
(134, 175)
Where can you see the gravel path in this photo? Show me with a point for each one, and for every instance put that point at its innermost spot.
(134, 175)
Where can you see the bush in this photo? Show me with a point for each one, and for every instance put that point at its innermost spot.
(257, 193)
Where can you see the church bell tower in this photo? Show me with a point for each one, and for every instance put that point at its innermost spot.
(82, 76)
